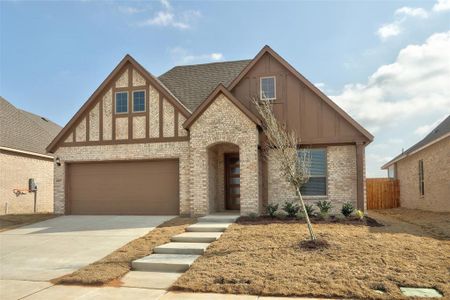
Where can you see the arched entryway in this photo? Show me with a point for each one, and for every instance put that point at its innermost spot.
(224, 178)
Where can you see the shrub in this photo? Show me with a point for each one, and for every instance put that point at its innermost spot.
(271, 210)
(291, 208)
(359, 214)
(310, 210)
(347, 209)
(281, 214)
(324, 207)
(252, 215)
(300, 215)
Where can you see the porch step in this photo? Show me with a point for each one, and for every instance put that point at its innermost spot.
(218, 218)
(207, 227)
(196, 237)
(164, 262)
(181, 248)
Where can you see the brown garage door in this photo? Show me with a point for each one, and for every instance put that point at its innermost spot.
(136, 188)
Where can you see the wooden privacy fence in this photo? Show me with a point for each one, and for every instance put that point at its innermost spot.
(382, 193)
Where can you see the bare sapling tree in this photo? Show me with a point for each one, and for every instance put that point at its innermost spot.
(282, 144)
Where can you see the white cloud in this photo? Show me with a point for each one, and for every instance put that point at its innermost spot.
(412, 12)
(320, 85)
(401, 15)
(415, 85)
(130, 10)
(441, 5)
(389, 30)
(168, 17)
(425, 129)
(183, 56)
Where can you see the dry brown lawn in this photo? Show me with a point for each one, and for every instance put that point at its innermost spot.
(8, 222)
(118, 263)
(265, 259)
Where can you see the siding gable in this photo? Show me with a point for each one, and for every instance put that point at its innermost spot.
(97, 123)
(302, 107)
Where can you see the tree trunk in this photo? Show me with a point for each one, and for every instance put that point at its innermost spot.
(311, 232)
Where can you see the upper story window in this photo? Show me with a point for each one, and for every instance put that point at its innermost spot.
(121, 102)
(139, 101)
(317, 183)
(391, 171)
(268, 90)
(421, 179)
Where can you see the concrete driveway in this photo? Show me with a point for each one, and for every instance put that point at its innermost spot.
(34, 254)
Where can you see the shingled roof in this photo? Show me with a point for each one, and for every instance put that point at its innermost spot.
(22, 130)
(437, 133)
(193, 83)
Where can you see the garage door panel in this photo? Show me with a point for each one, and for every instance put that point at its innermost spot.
(141, 187)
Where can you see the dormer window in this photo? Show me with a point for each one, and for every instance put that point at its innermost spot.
(268, 88)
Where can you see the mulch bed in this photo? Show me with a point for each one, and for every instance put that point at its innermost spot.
(366, 221)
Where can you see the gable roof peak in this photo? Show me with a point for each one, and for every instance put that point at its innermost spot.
(220, 89)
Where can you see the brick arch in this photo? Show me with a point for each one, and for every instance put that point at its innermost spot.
(223, 122)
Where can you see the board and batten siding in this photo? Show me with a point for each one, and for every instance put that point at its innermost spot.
(100, 125)
(303, 111)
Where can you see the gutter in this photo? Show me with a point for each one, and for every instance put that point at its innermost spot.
(26, 152)
(386, 165)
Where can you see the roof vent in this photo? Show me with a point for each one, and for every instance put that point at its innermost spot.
(44, 119)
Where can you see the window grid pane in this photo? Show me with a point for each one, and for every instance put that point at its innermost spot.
(122, 102)
(268, 88)
(139, 101)
(317, 183)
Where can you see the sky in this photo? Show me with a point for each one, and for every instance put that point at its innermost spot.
(387, 63)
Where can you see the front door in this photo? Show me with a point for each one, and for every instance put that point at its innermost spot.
(232, 182)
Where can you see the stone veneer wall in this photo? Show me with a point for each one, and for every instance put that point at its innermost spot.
(170, 150)
(341, 179)
(223, 122)
(436, 162)
(15, 170)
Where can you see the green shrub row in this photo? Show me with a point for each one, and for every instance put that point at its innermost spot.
(292, 209)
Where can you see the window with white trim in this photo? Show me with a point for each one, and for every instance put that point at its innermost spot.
(121, 102)
(317, 183)
(268, 90)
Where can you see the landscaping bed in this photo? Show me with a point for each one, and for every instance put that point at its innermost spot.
(365, 221)
(360, 262)
(118, 263)
(8, 222)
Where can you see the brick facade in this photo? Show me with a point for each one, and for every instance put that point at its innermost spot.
(16, 169)
(436, 162)
(341, 179)
(221, 128)
(222, 122)
(179, 150)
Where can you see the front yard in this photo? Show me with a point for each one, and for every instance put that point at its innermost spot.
(265, 259)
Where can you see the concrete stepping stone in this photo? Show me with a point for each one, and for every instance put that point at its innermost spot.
(218, 218)
(208, 227)
(196, 237)
(149, 280)
(420, 292)
(164, 262)
(181, 248)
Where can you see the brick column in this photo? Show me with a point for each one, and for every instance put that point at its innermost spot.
(360, 176)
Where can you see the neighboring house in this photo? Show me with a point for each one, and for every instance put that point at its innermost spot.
(423, 171)
(23, 138)
(188, 142)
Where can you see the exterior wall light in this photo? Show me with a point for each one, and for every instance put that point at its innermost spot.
(58, 161)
